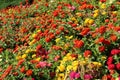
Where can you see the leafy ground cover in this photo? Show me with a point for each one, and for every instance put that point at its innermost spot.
(60, 40)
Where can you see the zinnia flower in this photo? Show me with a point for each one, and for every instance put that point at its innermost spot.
(88, 76)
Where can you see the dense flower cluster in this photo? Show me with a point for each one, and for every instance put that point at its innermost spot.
(60, 40)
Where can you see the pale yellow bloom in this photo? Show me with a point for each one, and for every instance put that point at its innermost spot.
(104, 13)
(83, 62)
(103, 57)
(34, 55)
(57, 40)
(71, 37)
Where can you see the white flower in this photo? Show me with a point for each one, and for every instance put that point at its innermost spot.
(111, 1)
(0, 60)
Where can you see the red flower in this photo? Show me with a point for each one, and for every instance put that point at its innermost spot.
(55, 13)
(115, 51)
(102, 1)
(87, 53)
(78, 43)
(107, 42)
(102, 29)
(111, 66)
(74, 25)
(29, 72)
(109, 60)
(22, 70)
(47, 39)
(38, 47)
(85, 31)
(118, 66)
(102, 48)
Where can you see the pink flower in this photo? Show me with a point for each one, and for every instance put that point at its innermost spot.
(43, 64)
(71, 8)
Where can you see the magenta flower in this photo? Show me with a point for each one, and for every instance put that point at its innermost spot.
(33, 78)
(77, 75)
(88, 76)
(74, 75)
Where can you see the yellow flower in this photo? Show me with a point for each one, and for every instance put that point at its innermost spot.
(68, 54)
(79, 56)
(38, 59)
(95, 15)
(61, 76)
(65, 59)
(103, 6)
(34, 55)
(91, 21)
(86, 21)
(99, 64)
(33, 35)
(24, 56)
(75, 68)
(69, 67)
(96, 11)
(114, 12)
(73, 19)
(67, 37)
(75, 63)
(27, 51)
(95, 63)
(61, 68)
(103, 57)
(83, 62)
(38, 30)
(18, 57)
(32, 42)
(71, 37)
(57, 40)
(103, 13)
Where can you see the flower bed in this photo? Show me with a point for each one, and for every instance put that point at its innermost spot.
(60, 40)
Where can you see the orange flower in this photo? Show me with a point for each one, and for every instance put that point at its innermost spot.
(29, 72)
(7, 71)
(113, 37)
